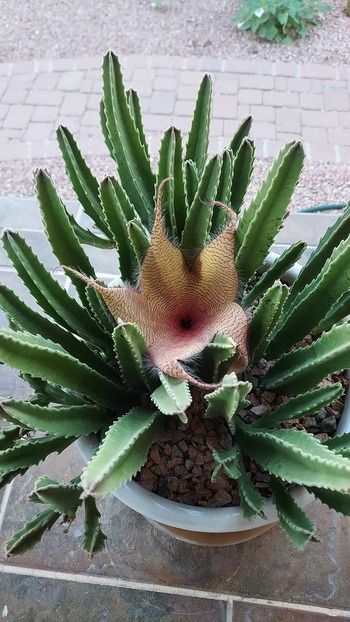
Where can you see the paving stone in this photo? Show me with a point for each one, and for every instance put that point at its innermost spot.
(32, 599)
(46, 81)
(339, 136)
(38, 131)
(310, 101)
(225, 106)
(18, 116)
(281, 83)
(263, 113)
(184, 107)
(263, 129)
(74, 104)
(250, 96)
(14, 96)
(300, 85)
(226, 86)
(315, 134)
(44, 98)
(317, 118)
(318, 71)
(45, 113)
(288, 120)
(93, 102)
(263, 83)
(71, 81)
(162, 102)
(163, 83)
(338, 99)
(281, 99)
(91, 117)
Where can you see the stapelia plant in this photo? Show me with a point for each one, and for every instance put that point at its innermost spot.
(123, 358)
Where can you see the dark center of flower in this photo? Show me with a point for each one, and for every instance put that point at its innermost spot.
(186, 323)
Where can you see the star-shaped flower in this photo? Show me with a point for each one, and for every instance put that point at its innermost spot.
(179, 309)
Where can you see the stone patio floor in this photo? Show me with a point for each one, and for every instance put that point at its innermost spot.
(144, 575)
(288, 101)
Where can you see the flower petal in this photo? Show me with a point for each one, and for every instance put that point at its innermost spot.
(169, 349)
(216, 279)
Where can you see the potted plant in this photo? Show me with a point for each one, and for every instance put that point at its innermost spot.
(193, 390)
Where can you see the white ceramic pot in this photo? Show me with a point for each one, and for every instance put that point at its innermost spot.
(205, 526)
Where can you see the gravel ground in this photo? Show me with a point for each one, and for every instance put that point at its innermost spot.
(47, 28)
(319, 183)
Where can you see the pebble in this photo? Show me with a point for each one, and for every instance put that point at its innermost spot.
(181, 464)
(329, 424)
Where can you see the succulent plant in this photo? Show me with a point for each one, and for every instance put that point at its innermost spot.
(122, 359)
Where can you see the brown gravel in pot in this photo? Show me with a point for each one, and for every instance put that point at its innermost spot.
(180, 465)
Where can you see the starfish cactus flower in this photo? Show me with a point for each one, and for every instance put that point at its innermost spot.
(179, 309)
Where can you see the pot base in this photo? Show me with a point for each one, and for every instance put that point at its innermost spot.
(202, 538)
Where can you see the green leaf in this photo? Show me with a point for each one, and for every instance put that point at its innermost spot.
(64, 420)
(262, 220)
(93, 539)
(27, 452)
(85, 236)
(228, 461)
(53, 298)
(59, 368)
(105, 132)
(240, 134)
(198, 139)
(6, 478)
(34, 323)
(294, 521)
(85, 185)
(264, 319)
(133, 162)
(8, 435)
(223, 194)
(338, 501)
(340, 444)
(26, 538)
(241, 174)
(198, 221)
(301, 406)
(295, 456)
(252, 502)
(66, 245)
(173, 397)
(227, 399)
(314, 302)
(303, 368)
(118, 210)
(46, 393)
(135, 109)
(332, 238)
(100, 310)
(338, 312)
(130, 348)
(277, 269)
(214, 356)
(191, 175)
(139, 239)
(170, 166)
(122, 452)
(62, 498)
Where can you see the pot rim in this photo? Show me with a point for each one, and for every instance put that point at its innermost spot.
(196, 518)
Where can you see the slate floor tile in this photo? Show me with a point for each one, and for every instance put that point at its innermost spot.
(32, 599)
(268, 567)
(256, 613)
